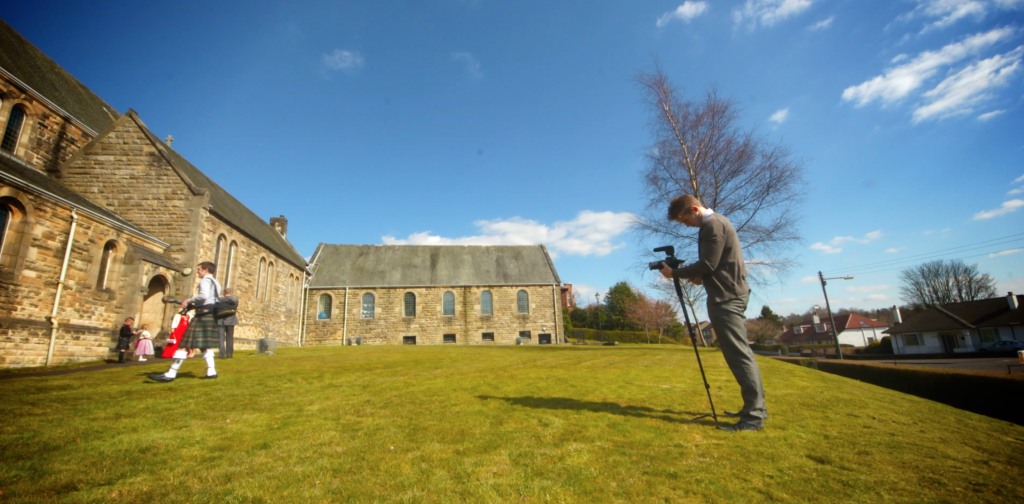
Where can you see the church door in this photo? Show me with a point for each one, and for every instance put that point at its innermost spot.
(153, 307)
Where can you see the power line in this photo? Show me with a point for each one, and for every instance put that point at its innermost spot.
(918, 257)
(901, 267)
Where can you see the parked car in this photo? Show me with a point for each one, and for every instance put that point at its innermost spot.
(1003, 345)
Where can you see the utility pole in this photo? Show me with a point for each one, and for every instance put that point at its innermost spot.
(835, 334)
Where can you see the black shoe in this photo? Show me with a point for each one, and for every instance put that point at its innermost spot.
(207, 377)
(160, 378)
(740, 426)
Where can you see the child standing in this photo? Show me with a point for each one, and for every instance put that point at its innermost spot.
(144, 346)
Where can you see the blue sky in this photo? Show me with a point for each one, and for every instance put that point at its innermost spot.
(510, 122)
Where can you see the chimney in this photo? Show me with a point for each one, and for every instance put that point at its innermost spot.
(897, 319)
(1010, 298)
(815, 318)
(280, 224)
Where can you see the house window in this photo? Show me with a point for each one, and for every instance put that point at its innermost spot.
(105, 258)
(5, 220)
(324, 311)
(410, 304)
(12, 214)
(408, 340)
(486, 303)
(222, 243)
(487, 336)
(369, 303)
(268, 287)
(988, 335)
(259, 276)
(523, 301)
(13, 129)
(912, 340)
(448, 304)
(449, 338)
(525, 335)
(229, 273)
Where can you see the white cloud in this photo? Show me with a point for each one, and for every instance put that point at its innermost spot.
(472, 65)
(768, 12)
(685, 12)
(1020, 178)
(1010, 4)
(822, 25)
(898, 82)
(586, 292)
(868, 238)
(590, 233)
(1007, 207)
(959, 93)
(877, 297)
(946, 230)
(1005, 252)
(344, 60)
(989, 115)
(779, 116)
(809, 279)
(894, 250)
(869, 288)
(1015, 191)
(950, 11)
(825, 248)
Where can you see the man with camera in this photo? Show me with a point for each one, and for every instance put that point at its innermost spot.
(203, 332)
(721, 270)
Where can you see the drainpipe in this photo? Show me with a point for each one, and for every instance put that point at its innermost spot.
(554, 305)
(60, 286)
(301, 301)
(344, 320)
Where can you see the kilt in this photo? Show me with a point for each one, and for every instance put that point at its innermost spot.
(202, 332)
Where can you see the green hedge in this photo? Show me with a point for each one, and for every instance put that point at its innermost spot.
(619, 336)
(990, 393)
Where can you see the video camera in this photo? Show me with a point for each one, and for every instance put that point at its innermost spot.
(671, 260)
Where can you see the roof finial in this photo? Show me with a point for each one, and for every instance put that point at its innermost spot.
(169, 139)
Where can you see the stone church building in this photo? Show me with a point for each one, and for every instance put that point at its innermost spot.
(100, 220)
(82, 247)
(411, 294)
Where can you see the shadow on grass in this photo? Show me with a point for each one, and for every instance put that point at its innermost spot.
(565, 403)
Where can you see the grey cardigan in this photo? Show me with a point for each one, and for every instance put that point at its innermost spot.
(720, 263)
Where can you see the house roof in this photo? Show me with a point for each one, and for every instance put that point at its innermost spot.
(854, 321)
(992, 312)
(15, 172)
(431, 265)
(24, 62)
(808, 335)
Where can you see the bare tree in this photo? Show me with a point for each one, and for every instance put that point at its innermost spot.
(699, 148)
(940, 282)
(693, 296)
(761, 330)
(650, 314)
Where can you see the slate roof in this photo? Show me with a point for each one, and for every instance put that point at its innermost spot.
(431, 265)
(224, 204)
(25, 62)
(15, 172)
(992, 312)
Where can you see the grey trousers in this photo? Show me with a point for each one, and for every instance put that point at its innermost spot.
(730, 326)
(227, 341)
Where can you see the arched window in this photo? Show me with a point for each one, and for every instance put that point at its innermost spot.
(108, 253)
(448, 304)
(5, 221)
(259, 277)
(229, 273)
(410, 304)
(288, 292)
(12, 215)
(268, 292)
(222, 243)
(486, 303)
(369, 303)
(13, 129)
(324, 310)
(523, 301)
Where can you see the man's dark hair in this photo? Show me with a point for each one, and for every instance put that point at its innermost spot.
(681, 205)
(209, 266)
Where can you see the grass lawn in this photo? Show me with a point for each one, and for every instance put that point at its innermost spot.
(488, 424)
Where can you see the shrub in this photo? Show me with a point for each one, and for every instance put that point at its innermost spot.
(619, 336)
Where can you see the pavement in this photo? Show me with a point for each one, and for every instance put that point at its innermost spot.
(984, 364)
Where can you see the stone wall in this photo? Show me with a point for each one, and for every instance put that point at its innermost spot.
(89, 314)
(47, 139)
(275, 314)
(389, 325)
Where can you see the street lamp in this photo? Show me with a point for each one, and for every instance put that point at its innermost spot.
(597, 296)
(835, 334)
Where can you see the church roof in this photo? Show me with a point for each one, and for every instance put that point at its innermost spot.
(431, 265)
(15, 172)
(23, 62)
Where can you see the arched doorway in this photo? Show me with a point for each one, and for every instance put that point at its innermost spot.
(153, 307)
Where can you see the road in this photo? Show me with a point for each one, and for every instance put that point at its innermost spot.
(985, 364)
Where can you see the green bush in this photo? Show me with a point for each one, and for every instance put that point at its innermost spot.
(618, 336)
(883, 347)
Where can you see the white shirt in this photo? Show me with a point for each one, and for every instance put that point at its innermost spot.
(206, 291)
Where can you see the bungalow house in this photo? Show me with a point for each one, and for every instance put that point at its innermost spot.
(854, 330)
(960, 327)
